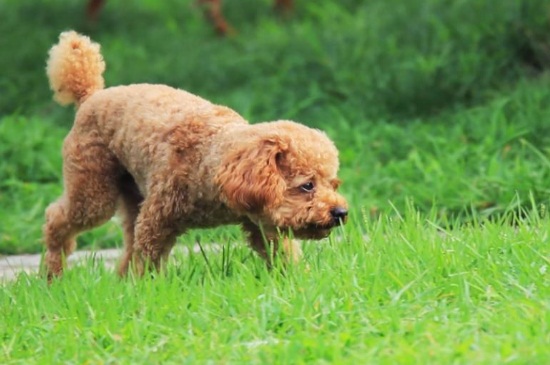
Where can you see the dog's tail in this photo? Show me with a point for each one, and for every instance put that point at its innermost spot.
(75, 68)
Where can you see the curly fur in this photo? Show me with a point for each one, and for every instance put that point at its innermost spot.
(167, 161)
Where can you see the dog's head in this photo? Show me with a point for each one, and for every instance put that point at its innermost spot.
(282, 176)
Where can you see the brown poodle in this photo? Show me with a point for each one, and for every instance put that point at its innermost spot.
(168, 161)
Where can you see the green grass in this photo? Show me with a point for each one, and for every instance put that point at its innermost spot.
(390, 290)
(440, 110)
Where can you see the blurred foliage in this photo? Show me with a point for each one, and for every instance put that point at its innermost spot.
(397, 59)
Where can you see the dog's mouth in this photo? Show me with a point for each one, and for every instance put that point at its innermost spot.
(326, 226)
(312, 233)
(315, 230)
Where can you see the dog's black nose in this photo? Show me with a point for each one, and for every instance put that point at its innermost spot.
(339, 214)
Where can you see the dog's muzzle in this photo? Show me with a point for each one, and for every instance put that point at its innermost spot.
(339, 215)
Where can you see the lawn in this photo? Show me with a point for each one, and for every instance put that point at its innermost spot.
(441, 112)
(408, 292)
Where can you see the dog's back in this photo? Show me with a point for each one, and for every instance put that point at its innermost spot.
(144, 124)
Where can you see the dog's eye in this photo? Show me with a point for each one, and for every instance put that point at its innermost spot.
(307, 187)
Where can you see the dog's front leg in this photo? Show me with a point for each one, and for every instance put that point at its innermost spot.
(292, 250)
(155, 235)
(269, 244)
(152, 247)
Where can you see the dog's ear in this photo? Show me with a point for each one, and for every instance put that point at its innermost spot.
(251, 179)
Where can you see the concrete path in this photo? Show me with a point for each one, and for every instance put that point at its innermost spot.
(10, 266)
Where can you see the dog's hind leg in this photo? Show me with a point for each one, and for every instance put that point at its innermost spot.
(90, 199)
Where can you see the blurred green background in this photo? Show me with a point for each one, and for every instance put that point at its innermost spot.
(445, 104)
